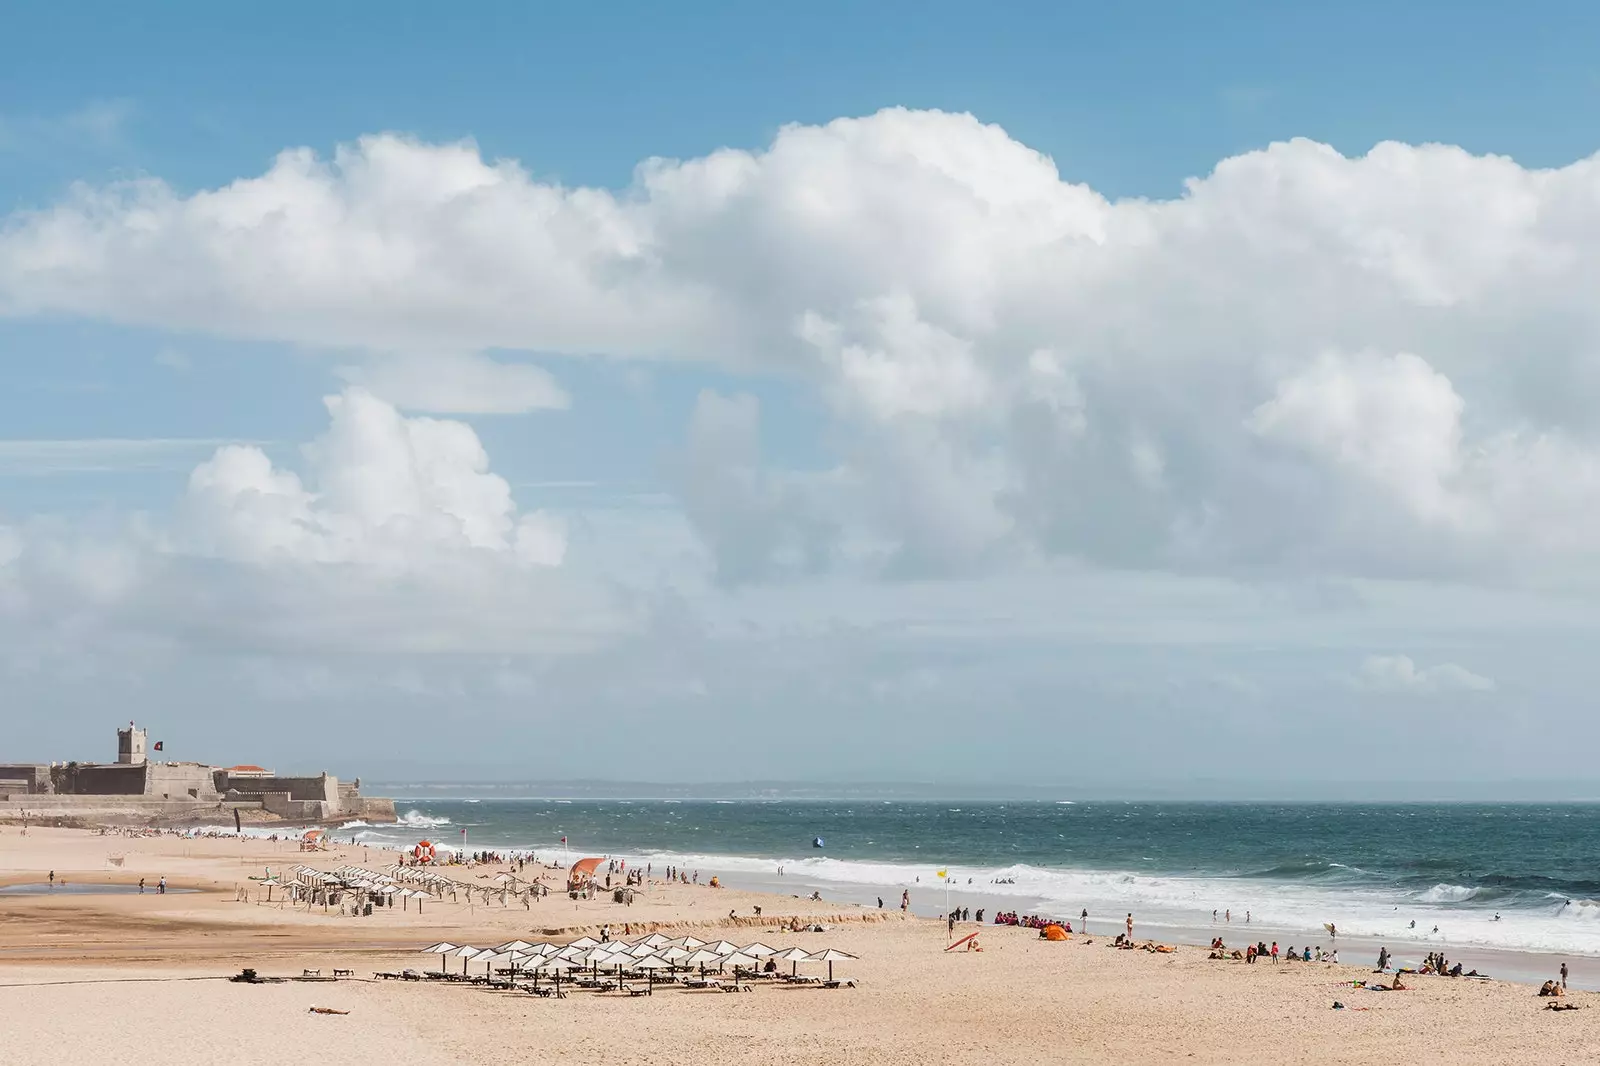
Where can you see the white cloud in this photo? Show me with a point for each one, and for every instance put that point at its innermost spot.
(385, 491)
(1397, 673)
(463, 384)
(1305, 363)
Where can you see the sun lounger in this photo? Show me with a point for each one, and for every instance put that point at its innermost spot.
(344, 973)
(735, 986)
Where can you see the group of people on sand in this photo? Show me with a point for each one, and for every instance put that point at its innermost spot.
(1436, 963)
(1028, 921)
(1260, 950)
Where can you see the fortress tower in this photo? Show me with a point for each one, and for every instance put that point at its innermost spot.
(130, 746)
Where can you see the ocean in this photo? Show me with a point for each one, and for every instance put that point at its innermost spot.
(1373, 869)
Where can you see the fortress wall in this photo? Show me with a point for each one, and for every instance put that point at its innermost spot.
(109, 780)
(180, 780)
(322, 787)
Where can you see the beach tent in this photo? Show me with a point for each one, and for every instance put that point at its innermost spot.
(1054, 932)
(831, 956)
(582, 872)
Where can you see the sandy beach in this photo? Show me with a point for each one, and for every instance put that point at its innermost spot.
(129, 978)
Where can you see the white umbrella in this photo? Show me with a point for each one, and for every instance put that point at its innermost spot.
(465, 954)
(439, 948)
(758, 949)
(702, 958)
(741, 961)
(650, 964)
(675, 954)
(831, 956)
(641, 949)
(793, 956)
(514, 945)
(655, 940)
(584, 942)
(722, 947)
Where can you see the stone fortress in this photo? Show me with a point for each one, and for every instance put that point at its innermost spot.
(136, 788)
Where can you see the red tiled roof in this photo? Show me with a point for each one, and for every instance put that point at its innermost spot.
(246, 769)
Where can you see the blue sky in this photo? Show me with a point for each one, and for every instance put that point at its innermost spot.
(1142, 401)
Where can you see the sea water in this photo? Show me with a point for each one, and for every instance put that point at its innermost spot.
(1390, 872)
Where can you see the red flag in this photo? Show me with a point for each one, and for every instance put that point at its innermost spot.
(159, 745)
(563, 840)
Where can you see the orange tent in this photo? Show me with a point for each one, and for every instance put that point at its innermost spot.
(1054, 932)
(582, 872)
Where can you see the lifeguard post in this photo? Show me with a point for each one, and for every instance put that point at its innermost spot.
(130, 746)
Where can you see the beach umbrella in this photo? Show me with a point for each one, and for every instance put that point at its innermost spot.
(675, 954)
(442, 947)
(741, 961)
(584, 942)
(640, 950)
(556, 966)
(269, 884)
(650, 964)
(685, 942)
(487, 956)
(572, 951)
(702, 958)
(831, 956)
(465, 954)
(514, 945)
(722, 947)
(758, 949)
(793, 956)
(656, 940)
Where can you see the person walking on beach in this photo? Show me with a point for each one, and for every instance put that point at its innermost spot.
(161, 886)
(880, 903)
(951, 921)
(1563, 975)
(52, 879)
(1085, 917)
(905, 901)
(141, 886)
(1274, 953)
(1383, 959)
(1130, 925)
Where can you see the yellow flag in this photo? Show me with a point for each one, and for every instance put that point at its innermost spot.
(942, 873)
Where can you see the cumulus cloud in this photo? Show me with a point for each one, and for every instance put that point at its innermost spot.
(1304, 363)
(393, 535)
(1397, 673)
(386, 490)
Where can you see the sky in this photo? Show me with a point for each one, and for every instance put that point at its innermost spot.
(973, 394)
